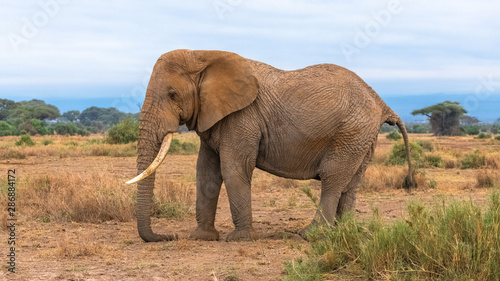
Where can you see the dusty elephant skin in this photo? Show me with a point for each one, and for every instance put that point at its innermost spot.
(320, 122)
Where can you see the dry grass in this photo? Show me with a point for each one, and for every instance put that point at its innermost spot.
(74, 247)
(92, 197)
(380, 177)
(488, 178)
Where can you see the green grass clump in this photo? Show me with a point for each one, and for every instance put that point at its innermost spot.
(434, 161)
(426, 145)
(71, 143)
(497, 137)
(393, 136)
(25, 140)
(398, 154)
(473, 160)
(454, 242)
(170, 209)
(184, 148)
(47, 142)
(484, 135)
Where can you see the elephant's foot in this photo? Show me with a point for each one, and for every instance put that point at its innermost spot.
(304, 231)
(205, 233)
(246, 234)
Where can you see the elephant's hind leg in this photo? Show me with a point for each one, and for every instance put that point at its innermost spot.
(208, 184)
(347, 200)
(335, 178)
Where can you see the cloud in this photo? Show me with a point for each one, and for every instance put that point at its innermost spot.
(114, 42)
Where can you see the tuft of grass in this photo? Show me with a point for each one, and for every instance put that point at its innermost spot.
(486, 178)
(393, 136)
(47, 142)
(183, 148)
(454, 242)
(473, 160)
(71, 143)
(380, 178)
(497, 137)
(450, 164)
(433, 161)
(25, 140)
(426, 145)
(484, 135)
(172, 200)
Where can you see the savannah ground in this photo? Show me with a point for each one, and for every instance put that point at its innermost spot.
(76, 217)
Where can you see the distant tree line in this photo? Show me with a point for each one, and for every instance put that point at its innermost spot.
(36, 117)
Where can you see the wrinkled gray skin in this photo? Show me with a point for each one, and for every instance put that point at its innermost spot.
(320, 122)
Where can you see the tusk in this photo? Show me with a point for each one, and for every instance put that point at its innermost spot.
(158, 160)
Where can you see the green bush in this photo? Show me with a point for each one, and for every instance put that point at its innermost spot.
(426, 145)
(47, 142)
(495, 129)
(471, 130)
(7, 129)
(398, 154)
(483, 135)
(124, 132)
(25, 140)
(393, 136)
(448, 242)
(473, 160)
(63, 129)
(497, 137)
(434, 161)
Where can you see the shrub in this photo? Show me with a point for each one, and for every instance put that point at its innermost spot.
(25, 140)
(47, 142)
(398, 154)
(7, 129)
(483, 135)
(434, 161)
(393, 136)
(124, 132)
(473, 160)
(486, 178)
(453, 242)
(471, 130)
(63, 129)
(426, 145)
(497, 137)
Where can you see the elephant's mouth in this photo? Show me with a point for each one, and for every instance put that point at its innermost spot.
(158, 160)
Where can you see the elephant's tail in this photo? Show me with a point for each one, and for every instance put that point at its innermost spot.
(392, 120)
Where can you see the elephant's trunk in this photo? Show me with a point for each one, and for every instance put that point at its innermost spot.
(146, 166)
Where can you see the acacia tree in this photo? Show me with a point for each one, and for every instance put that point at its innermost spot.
(444, 118)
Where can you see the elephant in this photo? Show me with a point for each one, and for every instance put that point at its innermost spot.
(320, 122)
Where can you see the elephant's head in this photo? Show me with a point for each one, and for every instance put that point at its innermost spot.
(196, 88)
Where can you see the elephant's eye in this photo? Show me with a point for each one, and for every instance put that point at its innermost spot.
(172, 94)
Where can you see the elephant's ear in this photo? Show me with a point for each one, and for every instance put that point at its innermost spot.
(227, 84)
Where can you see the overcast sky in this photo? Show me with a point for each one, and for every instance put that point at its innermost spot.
(86, 49)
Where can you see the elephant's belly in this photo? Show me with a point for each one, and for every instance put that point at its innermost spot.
(291, 166)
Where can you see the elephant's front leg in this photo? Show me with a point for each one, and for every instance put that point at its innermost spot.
(237, 174)
(208, 184)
